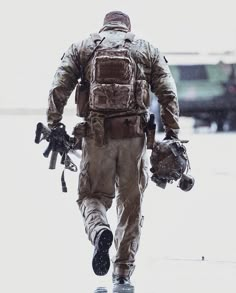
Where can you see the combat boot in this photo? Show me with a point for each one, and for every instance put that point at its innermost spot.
(120, 280)
(122, 284)
(101, 259)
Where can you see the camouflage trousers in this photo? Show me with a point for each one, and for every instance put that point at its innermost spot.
(118, 170)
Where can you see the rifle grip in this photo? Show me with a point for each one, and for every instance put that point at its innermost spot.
(53, 160)
(38, 132)
(48, 150)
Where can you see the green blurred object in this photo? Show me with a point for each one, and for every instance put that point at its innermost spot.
(206, 85)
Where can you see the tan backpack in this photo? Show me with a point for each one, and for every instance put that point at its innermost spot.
(112, 86)
(112, 78)
(113, 73)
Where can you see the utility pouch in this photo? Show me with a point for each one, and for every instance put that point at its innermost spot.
(124, 127)
(82, 99)
(97, 130)
(150, 132)
(142, 93)
(80, 131)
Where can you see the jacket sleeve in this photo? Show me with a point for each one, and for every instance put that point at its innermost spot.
(164, 87)
(64, 82)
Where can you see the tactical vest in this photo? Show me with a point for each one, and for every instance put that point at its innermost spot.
(112, 86)
(112, 77)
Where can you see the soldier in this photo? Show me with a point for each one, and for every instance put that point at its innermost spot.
(115, 70)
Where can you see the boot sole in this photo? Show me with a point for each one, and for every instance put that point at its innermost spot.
(118, 288)
(101, 259)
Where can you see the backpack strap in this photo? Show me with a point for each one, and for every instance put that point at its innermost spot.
(97, 40)
(96, 37)
(129, 37)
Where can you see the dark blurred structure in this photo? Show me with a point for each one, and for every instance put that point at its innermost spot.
(206, 85)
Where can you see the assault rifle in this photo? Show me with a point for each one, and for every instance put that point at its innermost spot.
(59, 143)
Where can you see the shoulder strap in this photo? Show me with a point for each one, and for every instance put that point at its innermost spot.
(129, 37)
(96, 37)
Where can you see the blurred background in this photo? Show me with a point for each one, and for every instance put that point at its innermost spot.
(197, 37)
(206, 86)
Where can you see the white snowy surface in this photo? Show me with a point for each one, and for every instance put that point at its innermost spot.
(44, 248)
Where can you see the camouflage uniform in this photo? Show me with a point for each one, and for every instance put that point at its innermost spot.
(115, 166)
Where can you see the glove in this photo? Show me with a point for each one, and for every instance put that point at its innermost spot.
(58, 136)
(53, 124)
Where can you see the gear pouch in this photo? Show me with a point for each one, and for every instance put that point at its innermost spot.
(82, 99)
(124, 127)
(142, 93)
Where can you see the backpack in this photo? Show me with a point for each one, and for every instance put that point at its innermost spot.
(112, 78)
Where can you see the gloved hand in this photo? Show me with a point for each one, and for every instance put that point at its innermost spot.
(53, 124)
(58, 137)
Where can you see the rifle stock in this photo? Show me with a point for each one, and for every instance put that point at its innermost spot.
(43, 132)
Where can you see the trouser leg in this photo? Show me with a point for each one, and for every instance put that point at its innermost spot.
(96, 185)
(132, 180)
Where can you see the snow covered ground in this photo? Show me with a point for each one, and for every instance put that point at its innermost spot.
(44, 248)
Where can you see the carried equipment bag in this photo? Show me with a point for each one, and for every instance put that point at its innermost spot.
(112, 77)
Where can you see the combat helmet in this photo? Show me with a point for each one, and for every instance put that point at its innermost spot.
(169, 162)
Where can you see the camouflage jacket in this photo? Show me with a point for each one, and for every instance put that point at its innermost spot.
(151, 66)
